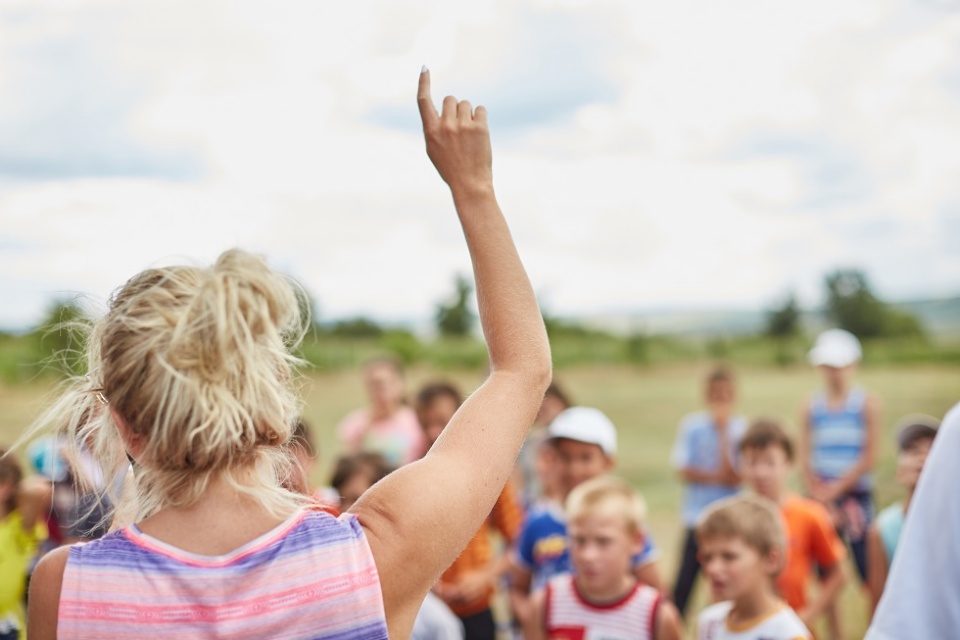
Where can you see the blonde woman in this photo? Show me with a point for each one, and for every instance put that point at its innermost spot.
(190, 374)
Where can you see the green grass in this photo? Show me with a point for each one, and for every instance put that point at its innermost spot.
(645, 403)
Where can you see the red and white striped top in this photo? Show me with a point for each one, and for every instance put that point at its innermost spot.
(570, 617)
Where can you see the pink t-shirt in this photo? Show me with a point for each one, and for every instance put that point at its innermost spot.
(398, 438)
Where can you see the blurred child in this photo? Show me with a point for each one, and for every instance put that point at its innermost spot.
(921, 598)
(467, 586)
(838, 445)
(22, 505)
(585, 442)
(603, 598)
(705, 455)
(536, 469)
(304, 449)
(742, 546)
(766, 458)
(914, 440)
(354, 474)
(388, 426)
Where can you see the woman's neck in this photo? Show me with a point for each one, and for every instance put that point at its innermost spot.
(221, 520)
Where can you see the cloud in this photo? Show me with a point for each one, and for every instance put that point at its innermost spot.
(647, 154)
(68, 108)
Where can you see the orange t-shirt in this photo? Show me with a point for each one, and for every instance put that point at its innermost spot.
(811, 539)
(506, 518)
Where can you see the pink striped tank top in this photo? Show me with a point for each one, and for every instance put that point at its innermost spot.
(570, 617)
(311, 577)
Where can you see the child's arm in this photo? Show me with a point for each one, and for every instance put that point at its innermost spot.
(430, 509)
(832, 579)
(877, 566)
(804, 453)
(520, 601)
(667, 625)
(536, 626)
(864, 464)
(649, 574)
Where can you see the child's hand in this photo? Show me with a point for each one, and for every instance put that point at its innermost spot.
(458, 142)
(471, 586)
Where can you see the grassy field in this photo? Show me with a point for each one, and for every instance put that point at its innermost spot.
(645, 404)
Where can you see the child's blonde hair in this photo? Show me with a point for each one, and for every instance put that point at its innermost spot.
(607, 495)
(751, 518)
(197, 363)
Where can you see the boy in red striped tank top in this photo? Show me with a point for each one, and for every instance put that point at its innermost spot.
(605, 521)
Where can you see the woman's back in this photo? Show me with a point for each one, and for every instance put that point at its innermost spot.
(311, 577)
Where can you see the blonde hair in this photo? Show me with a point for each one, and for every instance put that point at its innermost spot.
(607, 495)
(197, 363)
(751, 518)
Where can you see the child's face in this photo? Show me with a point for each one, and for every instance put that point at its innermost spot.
(837, 377)
(733, 568)
(579, 461)
(435, 416)
(384, 385)
(602, 547)
(720, 396)
(548, 469)
(765, 470)
(910, 462)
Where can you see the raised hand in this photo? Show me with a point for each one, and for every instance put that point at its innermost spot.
(458, 141)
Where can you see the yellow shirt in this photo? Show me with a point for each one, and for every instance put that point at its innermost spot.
(17, 550)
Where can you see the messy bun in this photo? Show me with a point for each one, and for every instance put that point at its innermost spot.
(197, 363)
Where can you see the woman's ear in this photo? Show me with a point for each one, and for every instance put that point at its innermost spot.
(132, 441)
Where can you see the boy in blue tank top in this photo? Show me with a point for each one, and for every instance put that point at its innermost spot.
(839, 441)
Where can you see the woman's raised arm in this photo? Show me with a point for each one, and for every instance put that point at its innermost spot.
(420, 517)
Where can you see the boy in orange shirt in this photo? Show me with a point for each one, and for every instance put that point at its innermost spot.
(766, 458)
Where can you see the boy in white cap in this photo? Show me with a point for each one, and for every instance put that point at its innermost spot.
(585, 442)
(915, 436)
(838, 443)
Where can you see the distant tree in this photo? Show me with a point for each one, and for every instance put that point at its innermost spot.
(455, 318)
(358, 327)
(784, 321)
(853, 306)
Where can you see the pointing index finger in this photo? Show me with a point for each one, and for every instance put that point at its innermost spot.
(428, 112)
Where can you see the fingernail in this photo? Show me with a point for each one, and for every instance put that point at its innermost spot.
(423, 69)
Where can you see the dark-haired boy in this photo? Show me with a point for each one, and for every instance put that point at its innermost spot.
(766, 458)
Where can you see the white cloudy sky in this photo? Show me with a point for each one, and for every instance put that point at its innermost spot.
(648, 154)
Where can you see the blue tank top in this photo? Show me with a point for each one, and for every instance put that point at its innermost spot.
(838, 436)
(890, 524)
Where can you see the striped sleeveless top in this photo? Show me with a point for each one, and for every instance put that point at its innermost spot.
(570, 617)
(837, 436)
(311, 577)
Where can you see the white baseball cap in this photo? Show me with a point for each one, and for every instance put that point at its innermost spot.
(835, 348)
(585, 424)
